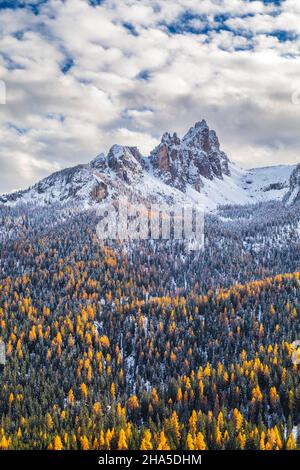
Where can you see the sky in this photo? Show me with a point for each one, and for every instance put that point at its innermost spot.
(78, 76)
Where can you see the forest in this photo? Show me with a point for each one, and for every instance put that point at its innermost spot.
(114, 345)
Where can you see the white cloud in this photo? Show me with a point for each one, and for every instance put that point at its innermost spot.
(131, 79)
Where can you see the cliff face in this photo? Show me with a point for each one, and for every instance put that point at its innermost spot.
(177, 169)
(187, 161)
(293, 195)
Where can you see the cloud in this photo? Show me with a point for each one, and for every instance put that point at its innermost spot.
(81, 76)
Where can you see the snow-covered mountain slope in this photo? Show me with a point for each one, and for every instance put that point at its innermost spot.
(120, 173)
(69, 184)
(176, 172)
(244, 186)
(293, 195)
(267, 183)
(227, 190)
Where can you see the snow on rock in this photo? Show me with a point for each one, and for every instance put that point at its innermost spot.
(178, 171)
(191, 160)
(293, 195)
(267, 183)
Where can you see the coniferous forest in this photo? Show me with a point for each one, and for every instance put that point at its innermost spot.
(147, 346)
(149, 233)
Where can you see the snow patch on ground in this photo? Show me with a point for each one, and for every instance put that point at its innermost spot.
(267, 183)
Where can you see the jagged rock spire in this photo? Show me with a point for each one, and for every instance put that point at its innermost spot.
(196, 156)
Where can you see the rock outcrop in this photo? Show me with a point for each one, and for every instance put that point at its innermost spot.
(187, 161)
(293, 195)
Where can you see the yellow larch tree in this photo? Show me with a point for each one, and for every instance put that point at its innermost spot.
(146, 443)
(122, 442)
(57, 443)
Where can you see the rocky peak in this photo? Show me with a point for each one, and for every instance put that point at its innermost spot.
(214, 141)
(99, 162)
(166, 161)
(196, 156)
(191, 162)
(198, 133)
(125, 163)
(162, 154)
(205, 153)
(169, 139)
(136, 153)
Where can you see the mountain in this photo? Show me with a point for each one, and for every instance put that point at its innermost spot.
(179, 163)
(118, 173)
(267, 183)
(293, 195)
(192, 169)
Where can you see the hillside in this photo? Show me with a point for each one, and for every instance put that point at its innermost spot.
(145, 346)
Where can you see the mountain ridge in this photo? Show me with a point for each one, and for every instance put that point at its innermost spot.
(192, 168)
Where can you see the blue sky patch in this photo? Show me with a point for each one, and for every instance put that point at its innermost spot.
(191, 23)
(67, 65)
(284, 36)
(130, 28)
(144, 75)
(15, 4)
(95, 3)
(56, 116)
(10, 63)
(17, 129)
